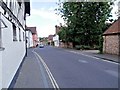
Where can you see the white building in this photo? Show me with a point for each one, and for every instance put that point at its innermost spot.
(56, 40)
(12, 38)
(29, 38)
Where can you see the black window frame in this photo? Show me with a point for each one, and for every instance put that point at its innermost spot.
(20, 35)
(14, 32)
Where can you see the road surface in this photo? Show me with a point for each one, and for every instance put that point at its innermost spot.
(70, 70)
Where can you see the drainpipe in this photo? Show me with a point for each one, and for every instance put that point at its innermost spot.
(25, 38)
(26, 41)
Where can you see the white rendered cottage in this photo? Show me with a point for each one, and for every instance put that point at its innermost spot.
(12, 38)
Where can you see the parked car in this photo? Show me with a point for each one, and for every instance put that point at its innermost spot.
(41, 46)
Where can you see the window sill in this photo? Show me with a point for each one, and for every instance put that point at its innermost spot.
(14, 40)
(2, 48)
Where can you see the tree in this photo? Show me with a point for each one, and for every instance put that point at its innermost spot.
(85, 21)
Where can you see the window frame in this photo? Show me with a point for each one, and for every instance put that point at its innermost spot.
(20, 35)
(14, 32)
(23, 36)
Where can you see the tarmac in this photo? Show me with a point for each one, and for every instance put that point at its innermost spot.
(95, 53)
(31, 67)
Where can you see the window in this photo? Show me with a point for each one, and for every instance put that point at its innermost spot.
(23, 36)
(19, 34)
(10, 5)
(14, 32)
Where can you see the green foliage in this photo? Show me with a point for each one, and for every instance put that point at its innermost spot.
(82, 47)
(85, 22)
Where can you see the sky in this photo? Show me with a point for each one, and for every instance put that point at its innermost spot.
(44, 18)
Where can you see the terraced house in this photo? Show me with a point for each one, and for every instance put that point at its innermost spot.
(12, 38)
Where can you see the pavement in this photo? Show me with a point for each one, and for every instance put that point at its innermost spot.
(31, 73)
(110, 57)
(95, 53)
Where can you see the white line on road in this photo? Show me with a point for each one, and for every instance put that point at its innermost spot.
(42, 73)
(113, 73)
(52, 79)
(82, 61)
(92, 57)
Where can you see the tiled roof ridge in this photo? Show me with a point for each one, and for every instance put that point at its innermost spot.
(114, 28)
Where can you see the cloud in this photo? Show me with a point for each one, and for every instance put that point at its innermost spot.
(46, 13)
(45, 30)
(45, 21)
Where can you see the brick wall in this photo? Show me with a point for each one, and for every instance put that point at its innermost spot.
(66, 45)
(111, 44)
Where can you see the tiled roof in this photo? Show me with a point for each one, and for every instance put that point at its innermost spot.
(114, 28)
(50, 37)
(33, 30)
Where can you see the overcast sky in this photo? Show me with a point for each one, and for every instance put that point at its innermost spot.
(44, 18)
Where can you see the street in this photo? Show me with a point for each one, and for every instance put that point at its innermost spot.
(65, 69)
(60, 44)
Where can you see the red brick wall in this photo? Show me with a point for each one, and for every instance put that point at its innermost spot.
(35, 40)
(111, 44)
(65, 45)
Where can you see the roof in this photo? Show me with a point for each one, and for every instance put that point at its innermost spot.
(33, 30)
(50, 37)
(114, 28)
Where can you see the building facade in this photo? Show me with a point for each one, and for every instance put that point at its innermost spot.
(111, 44)
(12, 38)
(56, 36)
(29, 38)
(34, 36)
(50, 39)
(56, 40)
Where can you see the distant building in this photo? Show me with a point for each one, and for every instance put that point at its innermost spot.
(34, 36)
(50, 39)
(111, 36)
(56, 36)
(57, 29)
(29, 38)
(56, 40)
(12, 38)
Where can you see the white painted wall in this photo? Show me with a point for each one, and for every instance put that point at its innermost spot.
(12, 55)
(14, 52)
(0, 69)
(11, 60)
(29, 39)
(0, 60)
(56, 40)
